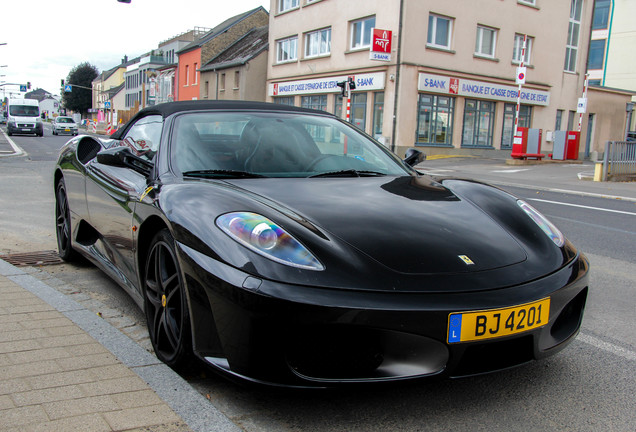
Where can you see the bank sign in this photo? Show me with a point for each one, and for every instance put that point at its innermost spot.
(480, 90)
(364, 82)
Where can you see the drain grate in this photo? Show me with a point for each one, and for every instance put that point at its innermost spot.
(28, 259)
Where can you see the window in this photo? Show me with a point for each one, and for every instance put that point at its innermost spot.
(439, 31)
(596, 54)
(314, 102)
(485, 41)
(559, 119)
(237, 79)
(284, 100)
(596, 82)
(479, 119)
(572, 46)
(206, 89)
(196, 78)
(571, 116)
(318, 43)
(144, 136)
(601, 14)
(525, 116)
(222, 82)
(285, 5)
(518, 47)
(378, 114)
(187, 75)
(287, 49)
(359, 110)
(361, 33)
(435, 120)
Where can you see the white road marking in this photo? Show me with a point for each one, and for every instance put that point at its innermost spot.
(511, 170)
(583, 206)
(606, 346)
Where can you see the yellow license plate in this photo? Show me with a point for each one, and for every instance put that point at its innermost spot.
(494, 323)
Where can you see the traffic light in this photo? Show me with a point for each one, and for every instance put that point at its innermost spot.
(343, 86)
(352, 83)
(62, 81)
(29, 85)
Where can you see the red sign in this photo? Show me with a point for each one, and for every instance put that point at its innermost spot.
(454, 86)
(381, 41)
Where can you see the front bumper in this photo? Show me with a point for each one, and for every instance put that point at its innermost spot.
(25, 128)
(65, 131)
(275, 333)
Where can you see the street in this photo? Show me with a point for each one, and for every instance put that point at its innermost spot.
(587, 387)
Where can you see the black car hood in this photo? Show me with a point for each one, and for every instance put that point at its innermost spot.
(411, 225)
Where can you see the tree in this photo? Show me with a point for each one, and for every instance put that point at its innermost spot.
(81, 78)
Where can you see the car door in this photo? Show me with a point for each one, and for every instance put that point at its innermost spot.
(111, 194)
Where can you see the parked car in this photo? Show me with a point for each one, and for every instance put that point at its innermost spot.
(284, 246)
(64, 125)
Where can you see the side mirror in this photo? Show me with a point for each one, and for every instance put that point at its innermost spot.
(413, 157)
(122, 157)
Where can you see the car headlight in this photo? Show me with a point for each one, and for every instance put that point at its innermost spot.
(548, 227)
(264, 237)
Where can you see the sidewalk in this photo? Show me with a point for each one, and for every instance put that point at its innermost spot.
(63, 368)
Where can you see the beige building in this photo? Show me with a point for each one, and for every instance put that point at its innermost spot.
(448, 84)
(237, 73)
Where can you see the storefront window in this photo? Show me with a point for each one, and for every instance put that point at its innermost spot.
(378, 114)
(435, 120)
(525, 115)
(314, 102)
(285, 100)
(479, 120)
(359, 110)
(318, 103)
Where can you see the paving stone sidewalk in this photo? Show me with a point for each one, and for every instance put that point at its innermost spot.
(63, 368)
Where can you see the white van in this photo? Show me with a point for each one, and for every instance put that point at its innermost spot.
(24, 117)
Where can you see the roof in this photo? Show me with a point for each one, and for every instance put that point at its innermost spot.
(219, 29)
(112, 92)
(240, 52)
(169, 108)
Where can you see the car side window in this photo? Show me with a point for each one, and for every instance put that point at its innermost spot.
(144, 136)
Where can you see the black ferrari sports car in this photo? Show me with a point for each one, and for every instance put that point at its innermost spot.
(284, 246)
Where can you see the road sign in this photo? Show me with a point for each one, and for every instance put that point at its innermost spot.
(581, 107)
(68, 88)
(521, 75)
(23, 87)
(107, 104)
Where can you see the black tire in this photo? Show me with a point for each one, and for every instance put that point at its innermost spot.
(63, 224)
(165, 303)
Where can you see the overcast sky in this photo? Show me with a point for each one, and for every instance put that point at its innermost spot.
(45, 39)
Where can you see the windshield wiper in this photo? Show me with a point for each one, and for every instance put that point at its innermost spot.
(221, 173)
(349, 173)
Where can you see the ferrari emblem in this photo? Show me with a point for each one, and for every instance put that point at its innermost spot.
(466, 260)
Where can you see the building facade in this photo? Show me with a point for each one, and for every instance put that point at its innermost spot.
(449, 82)
(239, 72)
(208, 46)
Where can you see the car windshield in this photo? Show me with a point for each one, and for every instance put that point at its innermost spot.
(65, 120)
(246, 144)
(24, 110)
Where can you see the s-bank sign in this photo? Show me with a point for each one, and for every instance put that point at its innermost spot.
(364, 82)
(480, 90)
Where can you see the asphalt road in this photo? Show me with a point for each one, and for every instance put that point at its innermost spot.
(589, 386)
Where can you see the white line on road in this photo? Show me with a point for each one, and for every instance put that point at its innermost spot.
(511, 170)
(583, 206)
(606, 346)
